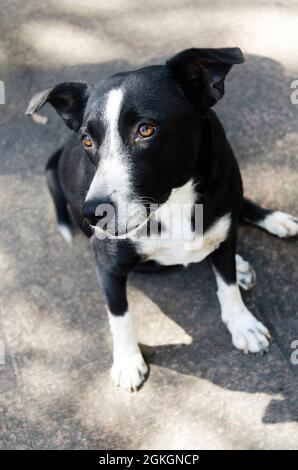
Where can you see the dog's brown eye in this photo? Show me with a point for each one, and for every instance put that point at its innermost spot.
(146, 130)
(86, 140)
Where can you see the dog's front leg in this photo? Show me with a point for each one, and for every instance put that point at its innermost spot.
(248, 334)
(129, 368)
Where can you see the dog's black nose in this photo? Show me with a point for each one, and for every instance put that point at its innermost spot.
(96, 210)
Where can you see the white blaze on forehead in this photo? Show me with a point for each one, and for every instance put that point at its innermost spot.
(112, 177)
(111, 115)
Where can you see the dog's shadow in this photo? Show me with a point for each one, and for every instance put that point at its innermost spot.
(188, 297)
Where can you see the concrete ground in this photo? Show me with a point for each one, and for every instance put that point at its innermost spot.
(55, 390)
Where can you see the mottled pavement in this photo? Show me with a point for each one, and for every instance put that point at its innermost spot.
(55, 390)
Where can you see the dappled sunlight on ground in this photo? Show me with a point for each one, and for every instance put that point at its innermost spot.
(55, 389)
(56, 40)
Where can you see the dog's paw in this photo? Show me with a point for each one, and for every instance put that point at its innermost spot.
(246, 276)
(248, 334)
(129, 372)
(281, 224)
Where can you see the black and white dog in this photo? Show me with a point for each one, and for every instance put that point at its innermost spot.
(150, 136)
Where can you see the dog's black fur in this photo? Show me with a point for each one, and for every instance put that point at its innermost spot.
(190, 144)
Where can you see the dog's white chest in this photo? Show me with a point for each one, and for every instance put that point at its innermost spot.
(177, 244)
(175, 251)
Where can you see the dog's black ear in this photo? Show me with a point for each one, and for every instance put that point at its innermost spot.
(69, 100)
(201, 72)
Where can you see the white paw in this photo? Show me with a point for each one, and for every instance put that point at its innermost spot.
(129, 372)
(248, 334)
(246, 276)
(281, 224)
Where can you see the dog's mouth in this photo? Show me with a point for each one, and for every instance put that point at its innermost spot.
(130, 220)
(133, 228)
(116, 235)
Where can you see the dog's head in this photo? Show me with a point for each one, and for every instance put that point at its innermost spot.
(140, 129)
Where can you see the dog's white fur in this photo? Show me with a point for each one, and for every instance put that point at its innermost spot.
(66, 232)
(129, 368)
(178, 244)
(246, 276)
(280, 223)
(248, 334)
(112, 175)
